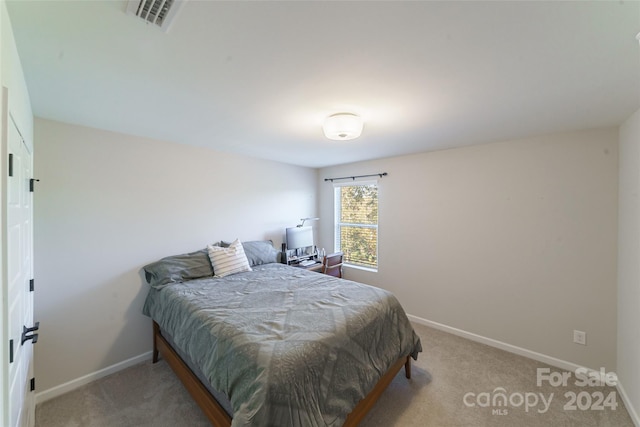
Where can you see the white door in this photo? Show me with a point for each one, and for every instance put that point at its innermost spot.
(19, 299)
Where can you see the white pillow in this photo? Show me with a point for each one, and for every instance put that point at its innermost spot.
(226, 261)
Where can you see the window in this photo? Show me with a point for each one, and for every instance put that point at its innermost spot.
(356, 223)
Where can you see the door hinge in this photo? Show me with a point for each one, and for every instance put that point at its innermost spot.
(10, 351)
(31, 285)
(31, 182)
(32, 384)
(33, 337)
(10, 164)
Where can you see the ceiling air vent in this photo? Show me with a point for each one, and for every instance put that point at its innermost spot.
(158, 12)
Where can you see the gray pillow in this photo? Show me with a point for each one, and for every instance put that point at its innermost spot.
(178, 268)
(258, 252)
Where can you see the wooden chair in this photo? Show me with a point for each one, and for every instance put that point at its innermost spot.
(332, 264)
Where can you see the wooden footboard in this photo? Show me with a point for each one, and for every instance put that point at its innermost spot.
(219, 417)
(209, 405)
(361, 409)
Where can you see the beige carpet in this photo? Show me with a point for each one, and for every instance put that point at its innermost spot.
(449, 368)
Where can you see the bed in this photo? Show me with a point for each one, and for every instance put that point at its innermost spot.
(276, 345)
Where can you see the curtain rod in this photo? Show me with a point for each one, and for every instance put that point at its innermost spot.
(357, 176)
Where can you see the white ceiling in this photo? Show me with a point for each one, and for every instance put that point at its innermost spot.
(259, 78)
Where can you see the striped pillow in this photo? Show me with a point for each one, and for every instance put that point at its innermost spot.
(226, 261)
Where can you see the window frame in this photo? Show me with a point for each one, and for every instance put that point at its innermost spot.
(337, 209)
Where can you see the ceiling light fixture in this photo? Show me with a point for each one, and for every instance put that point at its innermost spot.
(343, 126)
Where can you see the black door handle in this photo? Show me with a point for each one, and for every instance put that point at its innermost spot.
(32, 337)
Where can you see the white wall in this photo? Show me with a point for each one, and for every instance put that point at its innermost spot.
(514, 241)
(629, 262)
(12, 77)
(107, 204)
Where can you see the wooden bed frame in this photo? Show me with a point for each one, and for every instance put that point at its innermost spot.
(219, 417)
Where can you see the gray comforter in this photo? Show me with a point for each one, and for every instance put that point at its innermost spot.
(287, 346)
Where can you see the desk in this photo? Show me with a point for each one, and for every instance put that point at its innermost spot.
(313, 267)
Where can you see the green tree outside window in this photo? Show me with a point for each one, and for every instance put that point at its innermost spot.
(357, 224)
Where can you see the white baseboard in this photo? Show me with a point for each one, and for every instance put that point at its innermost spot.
(627, 403)
(549, 360)
(558, 363)
(45, 395)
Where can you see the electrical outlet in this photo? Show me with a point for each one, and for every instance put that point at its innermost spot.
(579, 337)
